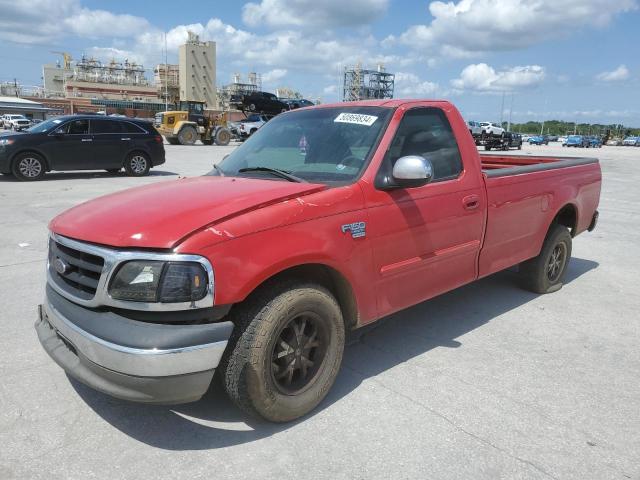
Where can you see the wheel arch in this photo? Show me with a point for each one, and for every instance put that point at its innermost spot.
(324, 275)
(567, 216)
(32, 151)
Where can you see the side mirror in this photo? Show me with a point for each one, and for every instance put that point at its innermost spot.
(412, 171)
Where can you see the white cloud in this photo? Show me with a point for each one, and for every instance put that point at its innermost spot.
(274, 75)
(484, 78)
(330, 90)
(619, 74)
(312, 13)
(409, 85)
(36, 22)
(467, 27)
(100, 23)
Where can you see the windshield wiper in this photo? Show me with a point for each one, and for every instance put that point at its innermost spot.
(275, 171)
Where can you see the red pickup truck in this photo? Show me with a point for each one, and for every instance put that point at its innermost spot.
(325, 220)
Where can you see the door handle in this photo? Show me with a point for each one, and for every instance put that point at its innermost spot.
(125, 139)
(471, 202)
(87, 139)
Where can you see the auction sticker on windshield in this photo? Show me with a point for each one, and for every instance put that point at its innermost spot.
(357, 118)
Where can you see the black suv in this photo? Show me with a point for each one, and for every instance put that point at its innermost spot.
(260, 102)
(82, 142)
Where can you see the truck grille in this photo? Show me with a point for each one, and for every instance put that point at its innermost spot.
(76, 272)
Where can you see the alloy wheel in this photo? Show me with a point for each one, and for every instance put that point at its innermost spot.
(556, 262)
(138, 164)
(298, 353)
(30, 167)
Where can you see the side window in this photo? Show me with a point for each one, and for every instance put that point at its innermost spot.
(105, 126)
(75, 127)
(426, 132)
(129, 127)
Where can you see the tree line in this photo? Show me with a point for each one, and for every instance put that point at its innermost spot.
(559, 127)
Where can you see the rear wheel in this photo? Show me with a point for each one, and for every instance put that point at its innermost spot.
(188, 135)
(285, 351)
(544, 273)
(28, 166)
(137, 164)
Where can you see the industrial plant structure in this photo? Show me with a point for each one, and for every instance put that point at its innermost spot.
(197, 67)
(361, 84)
(238, 87)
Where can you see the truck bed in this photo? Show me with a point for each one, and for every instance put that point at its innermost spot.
(505, 165)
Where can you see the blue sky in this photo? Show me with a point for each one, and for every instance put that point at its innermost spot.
(563, 59)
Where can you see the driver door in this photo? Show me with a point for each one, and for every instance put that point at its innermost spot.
(425, 240)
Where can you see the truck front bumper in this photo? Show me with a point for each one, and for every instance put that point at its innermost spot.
(129, 359)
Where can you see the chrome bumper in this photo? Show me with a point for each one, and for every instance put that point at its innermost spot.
(136, 361)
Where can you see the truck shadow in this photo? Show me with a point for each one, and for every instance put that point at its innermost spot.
(214, 422)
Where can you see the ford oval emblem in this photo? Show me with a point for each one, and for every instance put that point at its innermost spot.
(61, 266)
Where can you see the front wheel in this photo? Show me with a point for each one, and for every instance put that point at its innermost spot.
(137, 165)
(28, 166)
(544, 273)
(285, 351)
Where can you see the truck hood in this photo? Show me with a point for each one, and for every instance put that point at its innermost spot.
(162, 214)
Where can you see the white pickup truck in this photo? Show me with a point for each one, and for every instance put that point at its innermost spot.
(251, 124)
(16, 122)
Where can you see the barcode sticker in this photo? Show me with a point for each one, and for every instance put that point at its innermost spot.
(357, 118)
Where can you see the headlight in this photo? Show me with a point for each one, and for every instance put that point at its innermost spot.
(156, 281)
(6, 141)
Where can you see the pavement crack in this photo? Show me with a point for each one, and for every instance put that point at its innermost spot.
(23, 263)
(456, 426)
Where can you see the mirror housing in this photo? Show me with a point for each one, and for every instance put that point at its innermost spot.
(412, 171)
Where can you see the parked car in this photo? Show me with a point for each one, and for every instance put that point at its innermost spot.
(562, 139)
(594, 142)
(552, 138)
(294, 103)
(631, 142)
(249, 126)
(474, 128)
(262, 102)
(614, 142)
(578, 141)
(492, 129)
(16, 122)
(539, 140)
(306, 244)
(81, 142)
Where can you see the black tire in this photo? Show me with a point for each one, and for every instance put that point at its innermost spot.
(173, 141)
(544, 273)
(137, 164)
(223, 137)
(253, 130)
(520, 147)
(113, 171)
(252, 107)
(487, 147)
(187, 135)
(250, 372)
(28, 167)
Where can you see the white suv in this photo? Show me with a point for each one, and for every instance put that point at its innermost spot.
(492, 129)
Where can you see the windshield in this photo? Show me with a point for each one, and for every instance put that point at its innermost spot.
(45, 126)
(322, 145)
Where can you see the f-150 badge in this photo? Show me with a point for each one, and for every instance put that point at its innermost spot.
(357, 229)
